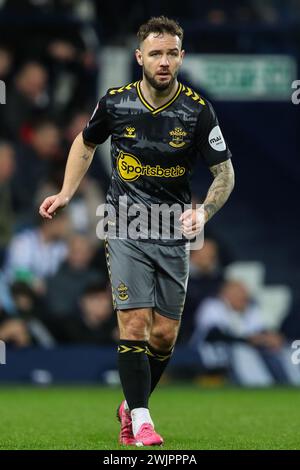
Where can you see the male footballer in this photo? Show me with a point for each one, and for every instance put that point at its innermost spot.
(158, 128)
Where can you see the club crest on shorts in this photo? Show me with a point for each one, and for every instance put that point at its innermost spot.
(122, 291)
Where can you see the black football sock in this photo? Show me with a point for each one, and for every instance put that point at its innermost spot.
(158, 361)
(134, 372)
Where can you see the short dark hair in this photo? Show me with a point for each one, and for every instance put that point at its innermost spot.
(160, 25)
(95, 287)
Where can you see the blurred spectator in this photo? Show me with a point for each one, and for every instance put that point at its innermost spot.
(32, 311)
(6, 62)
(217, 16)
(6, 301)
(97, 170)
(26, 99)
(232, 325)
(7, 168)
(75, 126)
(37, 253)
(6, 66)
(66, 286)
(268, 11)
(35, 163)
(14, 332)
(70, 68)
(28, 326)
(62, 7)
(83, 206)
(231, 315)
(95, 323)
(205, 279)
(91, 192)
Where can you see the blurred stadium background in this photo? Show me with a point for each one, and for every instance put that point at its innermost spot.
(242, 314)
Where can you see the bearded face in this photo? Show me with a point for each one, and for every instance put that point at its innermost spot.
(161, 57)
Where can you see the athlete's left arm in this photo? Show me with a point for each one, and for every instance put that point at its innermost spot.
(213, 148)
(220, 189)
(193, 220)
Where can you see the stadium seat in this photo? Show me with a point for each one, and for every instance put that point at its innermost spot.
(274, 302)
(251, 273)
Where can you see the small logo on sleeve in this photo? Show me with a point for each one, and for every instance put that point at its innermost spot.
(216, 139)
(130, 132)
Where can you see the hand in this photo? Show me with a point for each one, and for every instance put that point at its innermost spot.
(273, 341)
(193, 221)
(270, 340)
(15, 331)
(52, 204)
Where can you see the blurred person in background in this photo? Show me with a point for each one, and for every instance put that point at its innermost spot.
(28, 325)
(206, 275)
(75, 126)
(233, 318)
(35, 161)
(82, 208)
(6, 301)
(6, 70)
(37, 252)
(26, 100)
(6, 63)
(93, 322)
(70, 67)
(97, 170)
(7, 216)
(75, 273)
(32, 310)
(14, 332)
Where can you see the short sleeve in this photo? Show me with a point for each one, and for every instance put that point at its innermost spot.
(209, 138)
(97, 129)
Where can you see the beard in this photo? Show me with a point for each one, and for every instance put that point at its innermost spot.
(158, 85)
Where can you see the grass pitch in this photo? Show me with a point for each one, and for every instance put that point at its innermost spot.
(187, 417)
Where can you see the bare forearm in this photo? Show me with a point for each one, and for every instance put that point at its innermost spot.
(79, 160)
(220, 189)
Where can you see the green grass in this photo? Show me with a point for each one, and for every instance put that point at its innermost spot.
(187, 417)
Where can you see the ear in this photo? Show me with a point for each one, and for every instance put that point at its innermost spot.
(182, 54)
(139, 57)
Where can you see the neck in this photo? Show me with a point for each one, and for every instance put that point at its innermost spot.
(157, 97)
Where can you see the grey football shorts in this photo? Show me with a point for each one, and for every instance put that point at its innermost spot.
(144, 274)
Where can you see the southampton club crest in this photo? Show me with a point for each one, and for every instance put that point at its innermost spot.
(177, 135)
(122, 291)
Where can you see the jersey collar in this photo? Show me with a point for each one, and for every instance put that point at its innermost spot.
(155, 111)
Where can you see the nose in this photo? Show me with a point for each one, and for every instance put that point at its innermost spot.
(164, 61)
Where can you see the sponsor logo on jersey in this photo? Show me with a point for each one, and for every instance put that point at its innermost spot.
(130, 132)
(122, 291)
(216, 139)
(177, 135)
(130, 168)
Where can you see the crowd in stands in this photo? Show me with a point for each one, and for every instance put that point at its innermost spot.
(53, 279)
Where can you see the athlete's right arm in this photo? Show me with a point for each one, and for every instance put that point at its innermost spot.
(79, 160)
